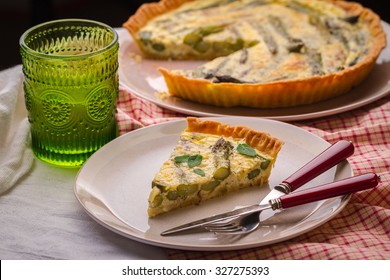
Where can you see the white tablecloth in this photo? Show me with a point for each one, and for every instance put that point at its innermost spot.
(40, 217)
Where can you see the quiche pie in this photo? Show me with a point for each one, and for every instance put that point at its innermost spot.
(260, 53)
(210, 160)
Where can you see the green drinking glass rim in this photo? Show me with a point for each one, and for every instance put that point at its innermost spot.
(67, 57)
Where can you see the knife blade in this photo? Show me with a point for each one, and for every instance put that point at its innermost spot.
(318, 165)
(336, 188)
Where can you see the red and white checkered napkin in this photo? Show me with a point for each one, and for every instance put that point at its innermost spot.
(360, 231)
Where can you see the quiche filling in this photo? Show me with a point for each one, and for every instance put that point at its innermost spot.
(260, 53)
(207, 165)
(267, 39)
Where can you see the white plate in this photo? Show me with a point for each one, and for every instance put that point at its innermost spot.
(143, 79)
(114, 184)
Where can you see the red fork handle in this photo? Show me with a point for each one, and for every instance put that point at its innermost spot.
(337, 188)
(321, 163)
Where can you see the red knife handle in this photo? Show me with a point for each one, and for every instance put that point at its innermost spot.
(337, 188)
(321, 163)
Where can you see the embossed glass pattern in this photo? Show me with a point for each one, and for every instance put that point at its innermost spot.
(71, 87)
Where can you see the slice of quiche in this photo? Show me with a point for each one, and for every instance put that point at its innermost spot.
(212, 159)
(260, 53)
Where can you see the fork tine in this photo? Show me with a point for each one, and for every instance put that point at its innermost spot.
(236, 230)
(222, 223)
(229, 227)
(232, 226)
(221, 227)
(225, 229)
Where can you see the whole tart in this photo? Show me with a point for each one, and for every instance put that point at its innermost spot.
(260, 53)
(212, 159)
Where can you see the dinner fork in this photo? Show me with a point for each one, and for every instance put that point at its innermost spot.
(250, 222)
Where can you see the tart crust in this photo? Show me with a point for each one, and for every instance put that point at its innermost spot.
(285, 93)
(282, 93)
(259, 140)
(145, 13)
(165, 184)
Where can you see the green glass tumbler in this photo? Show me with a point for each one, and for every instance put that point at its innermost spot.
(70, 71)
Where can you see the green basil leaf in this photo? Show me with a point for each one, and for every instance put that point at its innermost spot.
(199, 172)
(181, 159)
(247, 150)
(194, 160)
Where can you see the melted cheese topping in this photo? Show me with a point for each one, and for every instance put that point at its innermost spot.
(258, 41)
